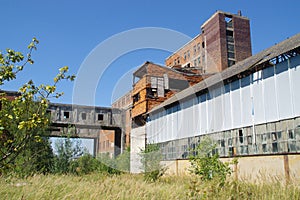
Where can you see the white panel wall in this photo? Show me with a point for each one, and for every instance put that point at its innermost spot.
(210, 112)
(258, 98)
(246, 101)
(218, 109)
(203, 115)
(227, 108)
(270, 105)
(236, 104)
(197, 121)
(269, 95)
(284, 96)
(295, 78)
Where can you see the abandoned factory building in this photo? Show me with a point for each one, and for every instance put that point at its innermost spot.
(213, 86)
(249, 105)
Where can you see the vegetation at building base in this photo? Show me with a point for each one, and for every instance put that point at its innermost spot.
(206, 164)
(127, 186)
(151, 157)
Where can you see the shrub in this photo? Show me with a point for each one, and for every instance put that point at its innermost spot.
(206, 164)
(151, 157)
(84, 165)
(123, 161)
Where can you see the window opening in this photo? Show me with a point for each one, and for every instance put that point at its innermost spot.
(100, 117)
(83, 116)
(66, 115)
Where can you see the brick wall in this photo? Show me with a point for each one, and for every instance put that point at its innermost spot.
(242, 38)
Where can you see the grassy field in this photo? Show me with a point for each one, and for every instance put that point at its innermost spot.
(98, 186)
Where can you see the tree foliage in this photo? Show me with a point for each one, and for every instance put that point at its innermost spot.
(23, 120)
(206, 164)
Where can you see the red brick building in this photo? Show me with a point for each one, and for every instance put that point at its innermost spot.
(224, 40)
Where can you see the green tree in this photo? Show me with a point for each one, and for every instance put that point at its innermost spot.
(23, 119)
(67, 150)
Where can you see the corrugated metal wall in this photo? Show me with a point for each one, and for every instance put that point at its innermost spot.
(269, 95)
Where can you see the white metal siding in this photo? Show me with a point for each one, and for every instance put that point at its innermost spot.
(265, 96)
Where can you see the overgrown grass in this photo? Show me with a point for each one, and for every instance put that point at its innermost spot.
(126, 186)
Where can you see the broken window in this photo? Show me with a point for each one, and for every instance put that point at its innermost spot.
(151, 92)
(291, 134)
(83, 116)
(241, 138)
(228, 21)
(274, 136)
(66, 115)
(100, 117)
(230, 63)
(136, 97)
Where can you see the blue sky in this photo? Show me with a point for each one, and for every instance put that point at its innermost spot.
(69, 30)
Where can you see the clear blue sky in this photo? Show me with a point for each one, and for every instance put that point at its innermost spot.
(69, 30)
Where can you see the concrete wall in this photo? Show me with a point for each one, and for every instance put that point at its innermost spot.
(138, 138)
(269, 168)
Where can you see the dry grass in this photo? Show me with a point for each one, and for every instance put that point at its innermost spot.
(97, 186)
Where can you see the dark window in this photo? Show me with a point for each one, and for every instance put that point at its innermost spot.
(230, 47)
(275, 147)
(231, 55)
(203, 44)
(83, 116)
(151, 92)
(230, 63)
(249, 139)
(222, 143)
(136, 97)
(229, 33)
(264, 148)
(100, 117)
(241, 138)
(195, 50)
(230, 151)
(291, 134)
(66, 115)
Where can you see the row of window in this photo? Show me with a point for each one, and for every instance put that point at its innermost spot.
(230, 47)
(66, 115)
(267, 143)
(187, 54)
